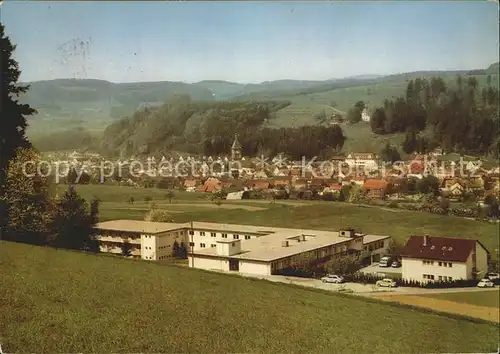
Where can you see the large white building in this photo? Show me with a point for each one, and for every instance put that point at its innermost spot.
(285, 248)
(363, 161)
(229, 247)
(430, 258)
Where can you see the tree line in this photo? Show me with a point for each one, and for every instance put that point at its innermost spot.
(458, 118)
(209, 128)
(28, 211)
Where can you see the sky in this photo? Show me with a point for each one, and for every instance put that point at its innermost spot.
(247, 42)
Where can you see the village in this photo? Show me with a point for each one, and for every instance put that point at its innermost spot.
(434, 182)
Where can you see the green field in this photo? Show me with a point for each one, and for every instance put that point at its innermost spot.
(62, 301)
(320, 215)
(479, 298)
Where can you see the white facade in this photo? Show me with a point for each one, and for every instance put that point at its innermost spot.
(365, 117)
(425, 270)
(363, 161)
(432, 270)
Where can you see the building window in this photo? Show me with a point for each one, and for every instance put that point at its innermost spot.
(212, 245)
(191, 244)
(449, 265)
(440, 278)
(429, 276)
(202, 233)
(224, 235)
(440, 264)
(191, 232)
(247, 237)
(182, 233)
(428, 262)
(450, 279)
(202, 245)
(213, 234)
(236, 236)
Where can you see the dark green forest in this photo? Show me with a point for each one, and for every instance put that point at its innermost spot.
(209, 127)
(458, 118)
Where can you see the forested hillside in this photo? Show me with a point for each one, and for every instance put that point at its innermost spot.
(99, 99)
(458, 117)
(208, 128)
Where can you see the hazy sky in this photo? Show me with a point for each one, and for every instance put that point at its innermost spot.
(247, 42)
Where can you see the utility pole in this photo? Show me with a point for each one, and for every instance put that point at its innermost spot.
(192, 245)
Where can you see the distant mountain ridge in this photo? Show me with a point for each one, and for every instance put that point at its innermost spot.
(89, 99)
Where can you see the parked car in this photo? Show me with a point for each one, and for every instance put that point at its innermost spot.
(485, 283)
(385, 262)
(332, 278)
(386, 283)
(396, 264)
(492, 276)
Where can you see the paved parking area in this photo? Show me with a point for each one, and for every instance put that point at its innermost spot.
(382, 271)
(359, 288)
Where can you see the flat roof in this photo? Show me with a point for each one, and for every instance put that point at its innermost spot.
(373, 238)
(147, 227)
(267, 247)
(270, 247)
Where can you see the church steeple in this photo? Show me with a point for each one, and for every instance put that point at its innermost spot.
(236, 148)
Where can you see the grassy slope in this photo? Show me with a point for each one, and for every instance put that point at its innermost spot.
(485, 298)
(61, 301)
(313, 215)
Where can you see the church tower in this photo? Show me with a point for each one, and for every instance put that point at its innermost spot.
(236, 149)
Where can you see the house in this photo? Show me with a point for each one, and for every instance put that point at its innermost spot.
(238, 195)
(211, 185)
(363, 160)
(191, 183)
(257, 184)
(281, 181)
(299, 183)
(375, 188)
(365, 117)
(456, 190)
(262, 174)
(432, 258)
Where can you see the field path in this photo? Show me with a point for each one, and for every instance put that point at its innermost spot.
(485, 313)
(214, 206)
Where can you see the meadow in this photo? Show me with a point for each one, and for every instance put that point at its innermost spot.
(479, 298)
(64, 301)
(322, 215)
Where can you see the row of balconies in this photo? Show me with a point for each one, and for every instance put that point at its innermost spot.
(105, 238)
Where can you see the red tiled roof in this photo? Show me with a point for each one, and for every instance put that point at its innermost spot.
(375, 184)
(439, 248)
(190, 183)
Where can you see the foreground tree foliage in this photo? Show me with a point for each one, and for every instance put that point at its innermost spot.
(12, 114)
(27, 212)
(26, 198)
(73, 222)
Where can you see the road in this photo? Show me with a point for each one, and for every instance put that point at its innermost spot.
(361, 289)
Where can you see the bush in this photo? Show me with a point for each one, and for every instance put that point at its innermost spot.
(393, 204)
(148, 198)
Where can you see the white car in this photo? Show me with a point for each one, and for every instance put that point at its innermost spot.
(492, 276)
(331, 278)
(485, 283)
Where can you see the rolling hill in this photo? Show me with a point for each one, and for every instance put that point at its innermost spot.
(88, 106)
(63, 301)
